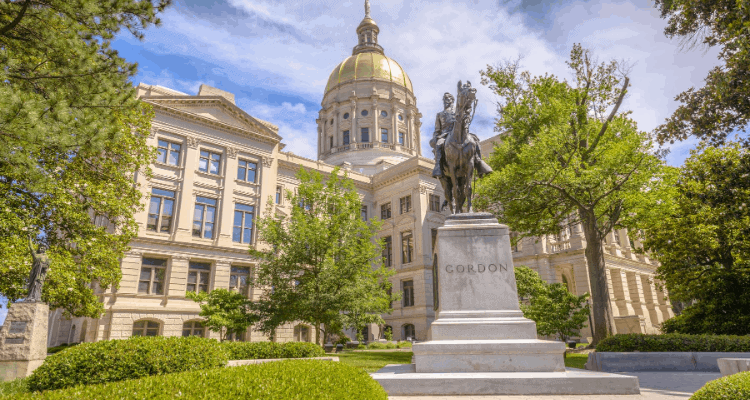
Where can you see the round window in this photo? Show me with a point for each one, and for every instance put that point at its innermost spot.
(364, 113)
(400, 117)
(346, 115)
(383, 114)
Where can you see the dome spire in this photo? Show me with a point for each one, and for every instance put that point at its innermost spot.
(367, 31)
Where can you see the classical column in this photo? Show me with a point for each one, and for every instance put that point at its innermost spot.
(353, 132)
(336, 133)
(375, 118)
(321, 135)
(183, 212)
(393, 139)
(178, 271)
(418, 134)
(225, 211)
(652, 301)
(612, 300)
(621, 292)
(409, 129)
(638, 297)
(664, 304)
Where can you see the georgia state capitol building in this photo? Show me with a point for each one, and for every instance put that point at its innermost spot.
(217, 167)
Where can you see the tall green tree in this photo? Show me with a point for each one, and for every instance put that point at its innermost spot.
(700, 234)
(224, 312)
(722, 105)
(320, 262)
(74, 136)
(568, 156)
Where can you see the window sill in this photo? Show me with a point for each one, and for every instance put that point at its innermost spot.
(246, 183)
(157, 234)
(208, 174)
(168, 166)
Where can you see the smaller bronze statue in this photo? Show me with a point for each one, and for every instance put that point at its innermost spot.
(38, 272)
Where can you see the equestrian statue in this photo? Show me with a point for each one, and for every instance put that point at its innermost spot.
(457, 151)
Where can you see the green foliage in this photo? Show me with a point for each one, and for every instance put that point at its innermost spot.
(700, 234)
(388, 333)
(343, 340)
(57, 349)
(283, 380)
(371, 361)
(266, 350)
(224, 311)
(377, 346)
(361, 346)
(73, 137)
(13, 388)
(555, 310)
(320, 259)
(567, 157)
(732, 387)
(574, 360)
(674, 343)
(116, 360)
(403, 345)
(720, 107)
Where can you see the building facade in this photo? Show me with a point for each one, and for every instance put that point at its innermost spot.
(218, 167)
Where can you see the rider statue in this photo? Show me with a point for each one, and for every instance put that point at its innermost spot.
(443, 126)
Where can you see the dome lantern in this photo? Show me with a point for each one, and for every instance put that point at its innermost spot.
(367, 32)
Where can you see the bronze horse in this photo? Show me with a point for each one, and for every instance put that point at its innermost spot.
(460, 152)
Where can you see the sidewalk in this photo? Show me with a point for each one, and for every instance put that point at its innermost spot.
(654, 386)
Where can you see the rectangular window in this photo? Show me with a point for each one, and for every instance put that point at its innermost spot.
(203, 217)
(278, 194)
(401, 138)
(346, 137)
(160, 210)
(209, 162)
(331, 146)
(384, 135)
(198, 276)
(434, 203)
(151, 280)
(363, 213)
(407, 247)
(617, 237)
(246, 171)
(434, 239)
(385, 211)
(387, 251)
(238, 280)
(365, 135)
(242, 231)
(408, 288)
(169, 153)
(405, 203)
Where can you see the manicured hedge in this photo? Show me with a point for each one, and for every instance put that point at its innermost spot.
(283, 380)
(260, 350)
(116, 360)
(57, 349)
(674, 342)
(381, 346)
(732, 387)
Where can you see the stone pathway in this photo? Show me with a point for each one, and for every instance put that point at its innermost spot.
(654, 386)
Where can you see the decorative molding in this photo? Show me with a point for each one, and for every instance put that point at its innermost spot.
(180, 258)
(267, 162)
(192, 142)
(134, 253)
(423, 189)
(152, 134)
(232, 152)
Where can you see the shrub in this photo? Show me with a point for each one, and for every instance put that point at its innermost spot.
(361, 346)
(116, 360)
(732, 387)
(57, 349)
(674, 342)
(404, 344)
(390, 345)
(293, 379)
(342, 340)
(13, 388)
(377, 346)
(261, 350)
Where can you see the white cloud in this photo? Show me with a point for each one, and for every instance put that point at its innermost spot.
(290, 47)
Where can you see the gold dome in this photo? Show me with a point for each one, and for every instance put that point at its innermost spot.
(370, 65)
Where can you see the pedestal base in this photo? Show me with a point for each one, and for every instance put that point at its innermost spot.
(10, 370)
(403, 380)
(510, 355)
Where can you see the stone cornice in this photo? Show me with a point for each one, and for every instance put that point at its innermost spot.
(414, 166)
(163, 104)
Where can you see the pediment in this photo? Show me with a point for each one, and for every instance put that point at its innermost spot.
(387, 225)
(405, 219)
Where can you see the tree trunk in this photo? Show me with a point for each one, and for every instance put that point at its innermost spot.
(602, 308)
(317, 332)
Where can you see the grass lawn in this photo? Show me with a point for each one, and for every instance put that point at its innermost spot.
(576, 360)
(373, 361)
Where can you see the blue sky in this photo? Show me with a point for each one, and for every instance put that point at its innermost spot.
(276, 56)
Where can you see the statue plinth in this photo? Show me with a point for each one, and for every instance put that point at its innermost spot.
(479, 326)
(480, 343)
(23, 340)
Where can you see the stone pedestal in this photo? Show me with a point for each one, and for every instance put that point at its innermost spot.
(480, 342)
(23, 340)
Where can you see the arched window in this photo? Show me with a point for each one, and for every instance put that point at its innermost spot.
(146, 328)
(302, 333)
(409, 332)
(193, 328)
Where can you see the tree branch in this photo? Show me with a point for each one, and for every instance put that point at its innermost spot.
(611, 115)
(12, 24)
